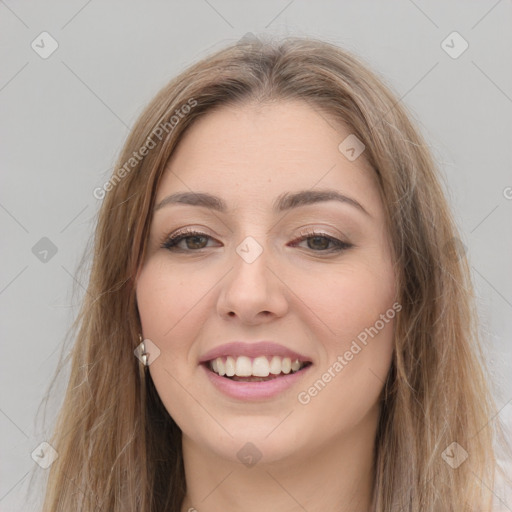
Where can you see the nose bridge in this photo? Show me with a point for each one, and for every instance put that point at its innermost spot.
(251, 286)
(250, 265)
(250, 250)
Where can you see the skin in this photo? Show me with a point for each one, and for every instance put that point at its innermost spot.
(295, 293)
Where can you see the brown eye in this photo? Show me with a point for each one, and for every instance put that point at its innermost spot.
(319, 242)
(194, 241)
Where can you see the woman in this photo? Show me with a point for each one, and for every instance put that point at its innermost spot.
(279, 314)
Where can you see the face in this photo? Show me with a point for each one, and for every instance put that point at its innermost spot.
(299, 290)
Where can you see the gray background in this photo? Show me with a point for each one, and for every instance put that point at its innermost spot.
(64, 118)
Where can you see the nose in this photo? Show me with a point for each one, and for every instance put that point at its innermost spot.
(252, 291)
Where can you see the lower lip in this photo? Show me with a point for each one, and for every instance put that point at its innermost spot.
(254, 390)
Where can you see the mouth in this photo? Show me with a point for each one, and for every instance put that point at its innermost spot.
(255, 369)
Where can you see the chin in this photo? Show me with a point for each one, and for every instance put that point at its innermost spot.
(257, 440)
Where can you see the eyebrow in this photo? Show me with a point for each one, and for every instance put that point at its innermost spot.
(284, 202)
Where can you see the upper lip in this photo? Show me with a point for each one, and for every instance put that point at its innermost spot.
(254, 349)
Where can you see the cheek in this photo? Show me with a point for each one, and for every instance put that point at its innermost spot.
(347, 384)
(347, 299)
(356, 303)
(168, 306)
(166, 300)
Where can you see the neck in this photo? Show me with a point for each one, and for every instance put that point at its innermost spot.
(335, 476)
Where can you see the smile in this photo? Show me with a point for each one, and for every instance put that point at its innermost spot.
(257, 369)
(254, 371)
(259, 378)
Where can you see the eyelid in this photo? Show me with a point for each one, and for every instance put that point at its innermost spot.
(170, 242)
(319, 230)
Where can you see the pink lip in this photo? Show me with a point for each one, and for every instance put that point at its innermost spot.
(261, 348)
(254, 390)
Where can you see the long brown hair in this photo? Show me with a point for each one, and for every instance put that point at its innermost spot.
(120, 451)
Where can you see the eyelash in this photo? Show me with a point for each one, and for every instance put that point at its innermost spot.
(170, 243)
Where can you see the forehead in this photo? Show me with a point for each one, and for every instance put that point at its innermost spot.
(261, 151)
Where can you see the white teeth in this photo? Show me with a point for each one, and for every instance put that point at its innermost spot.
(220, 366)
(275, 365)
(260, 366)
(295, 365)
(243, 367)
(229, 366)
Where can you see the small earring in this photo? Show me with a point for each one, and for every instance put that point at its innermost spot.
(143, 353)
